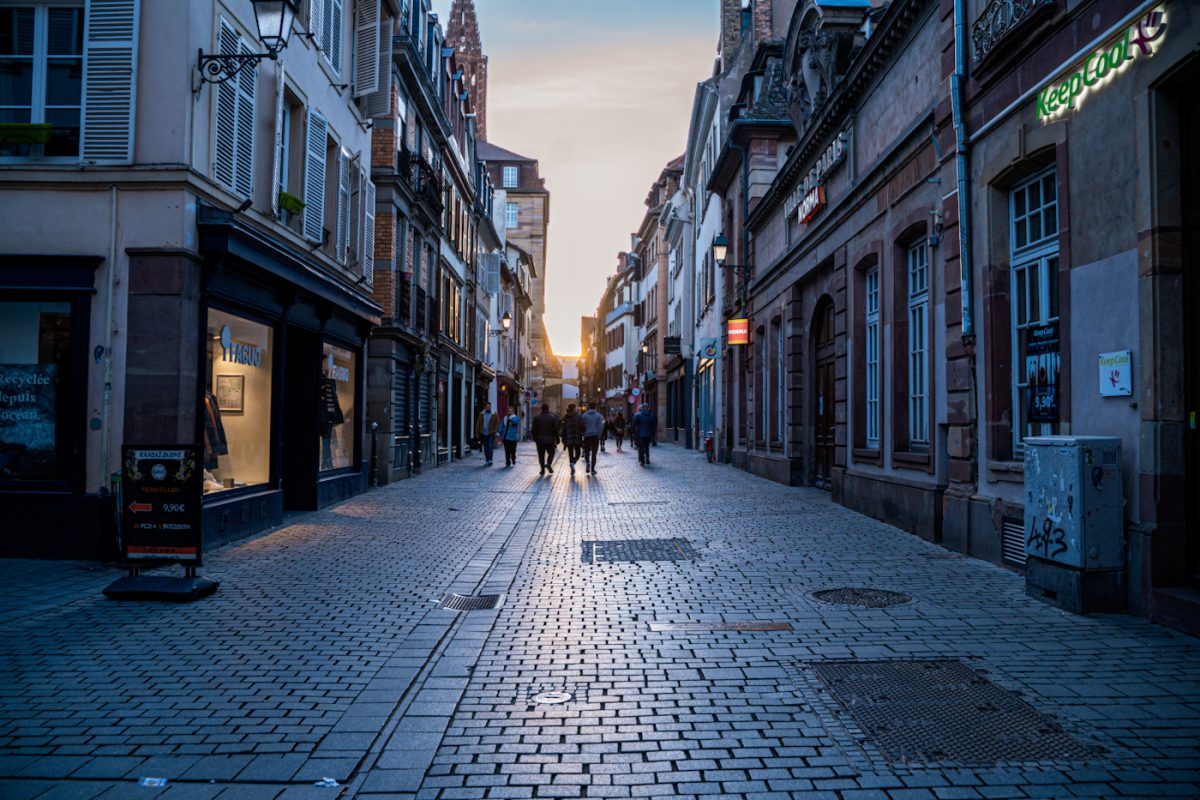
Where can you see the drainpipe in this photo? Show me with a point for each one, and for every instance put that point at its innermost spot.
(961, 159)
(109, 322)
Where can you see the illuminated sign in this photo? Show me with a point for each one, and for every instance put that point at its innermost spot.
(239, 352)
(814, 201)
(738, 331)
(1068, 92)
(801, 198)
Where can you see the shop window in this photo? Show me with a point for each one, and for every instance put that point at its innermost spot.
(871, 353)
(237, 402)
(338, 379)
(41, 80)
(35, 391)
(1033, 207)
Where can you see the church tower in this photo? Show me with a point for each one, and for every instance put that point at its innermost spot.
(462, 33)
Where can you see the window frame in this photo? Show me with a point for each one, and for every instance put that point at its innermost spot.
(507, 171)
(918, 345)
(512, 216)
(871, 376)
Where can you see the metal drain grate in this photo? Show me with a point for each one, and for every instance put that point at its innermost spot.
(1012, 541)
(866, 598)
(461, 602)
(640, 503)
(935, 712)
(716, 627)
(627, 550)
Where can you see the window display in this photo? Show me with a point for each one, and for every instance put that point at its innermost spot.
(338, 377)
(237, 403)
(35, 378)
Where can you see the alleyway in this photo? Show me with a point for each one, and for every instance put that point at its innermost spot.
(325, 654)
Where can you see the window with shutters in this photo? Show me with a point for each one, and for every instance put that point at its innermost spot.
(233, 148)
(316, 139)
(41, 80)
(325, 22)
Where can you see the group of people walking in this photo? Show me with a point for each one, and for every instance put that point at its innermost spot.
(582, 434)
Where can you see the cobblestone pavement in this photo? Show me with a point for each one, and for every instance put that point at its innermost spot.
(326, 654)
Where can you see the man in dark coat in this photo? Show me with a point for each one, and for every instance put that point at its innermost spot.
(545, 430)
(645, 425)
(572, 435)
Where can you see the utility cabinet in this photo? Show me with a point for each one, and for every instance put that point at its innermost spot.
(1074, 522)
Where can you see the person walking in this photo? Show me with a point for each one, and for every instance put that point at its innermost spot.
(488, 425)
(572, 435)
(510, 434)
(594, 426)
(618, 428)
(546, 430)
(644, 425)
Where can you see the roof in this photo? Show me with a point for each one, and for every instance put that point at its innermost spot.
(490, 152)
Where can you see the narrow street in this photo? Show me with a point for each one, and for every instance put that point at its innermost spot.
(325, 654)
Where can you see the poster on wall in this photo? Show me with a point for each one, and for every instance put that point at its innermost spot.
(160, 499)
(1043, 360)
(28, 395)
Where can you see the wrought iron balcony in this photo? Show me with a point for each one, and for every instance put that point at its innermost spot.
(422, 178)
(1000, 18)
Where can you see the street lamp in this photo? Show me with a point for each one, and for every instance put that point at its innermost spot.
(645, 348)
(720, 248)
(533, 362)
(274, 20)
(505, 322)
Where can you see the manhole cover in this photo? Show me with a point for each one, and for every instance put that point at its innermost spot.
(552, 698)
(460, 602)
(709, 627)
(867, 598)
(626, 550)
(944, 712)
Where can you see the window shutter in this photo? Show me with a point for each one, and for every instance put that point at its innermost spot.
(379, 102)
(226, 133)
(335, 35)
(368, 229)
(277, 159)
(343, 206)
(492, 265)
(247, 82)
(354, 213)
(366, 47)
(314, 177)
(109, 81)
(316, 22)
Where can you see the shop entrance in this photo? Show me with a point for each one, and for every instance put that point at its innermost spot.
(1191, 287)
(823, 400)
(301, 409)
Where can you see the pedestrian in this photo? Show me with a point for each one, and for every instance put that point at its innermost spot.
(644, 424)
(606, 430)
(618, 428)
(572, 435)
(488, 425)
(546, 430)
(594, 426)
(510, 434)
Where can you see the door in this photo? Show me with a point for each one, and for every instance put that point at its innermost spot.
(823, 401)
(1190, 154)
(301, 419)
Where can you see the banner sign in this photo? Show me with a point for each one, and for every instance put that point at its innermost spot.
(1116, 374)
(160, 496)
(28, 394)
(709, 348)
(738, 331)
(672, 345)
(1042, 362)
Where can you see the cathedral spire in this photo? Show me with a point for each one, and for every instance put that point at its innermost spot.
(462, 33)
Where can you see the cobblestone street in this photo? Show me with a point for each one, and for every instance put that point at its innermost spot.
(326, 654)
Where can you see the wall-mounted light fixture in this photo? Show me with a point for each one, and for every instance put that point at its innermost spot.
(274, 19)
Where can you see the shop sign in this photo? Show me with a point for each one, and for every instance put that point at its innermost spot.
(336, 371)
(239, 352)
(1068, 91)
(709, 348)
(738, 331)
(673, 345)
(27, 420)
(1116, 374)
(160, 503)
(1043, 360)
(804, 197)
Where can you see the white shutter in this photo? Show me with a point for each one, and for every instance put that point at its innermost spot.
(492, 260)
(366, 47)
(379, 102)
(343, 205)
(226, 128)
(335, 35)
(316, 22)
(368, 229)
(247, 82)
(109, 81)
(278, 166)
(314, 177)
(354, 213)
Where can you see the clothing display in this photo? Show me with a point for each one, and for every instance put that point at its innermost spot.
(331, 410)
(215, 443)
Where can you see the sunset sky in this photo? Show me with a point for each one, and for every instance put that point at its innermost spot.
(600, 92)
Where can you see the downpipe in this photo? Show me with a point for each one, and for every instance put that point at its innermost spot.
(965, 249)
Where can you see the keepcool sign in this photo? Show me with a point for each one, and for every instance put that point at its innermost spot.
(160, 496)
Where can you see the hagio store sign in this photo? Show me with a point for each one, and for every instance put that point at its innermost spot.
(1098, 69)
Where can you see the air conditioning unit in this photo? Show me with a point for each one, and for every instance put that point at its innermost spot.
(1074, 522)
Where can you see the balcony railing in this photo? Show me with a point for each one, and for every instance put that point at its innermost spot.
(422, 177)
(1000, 18)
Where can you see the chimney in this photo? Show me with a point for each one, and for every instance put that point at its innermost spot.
(763, 23)
(731, 31)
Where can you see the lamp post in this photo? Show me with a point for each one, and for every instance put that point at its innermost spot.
(274, 21)
(720, 249)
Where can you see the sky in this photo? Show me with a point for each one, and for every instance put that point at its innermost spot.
(600, 92)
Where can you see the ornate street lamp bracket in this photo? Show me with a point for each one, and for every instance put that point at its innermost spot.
(222, 68)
